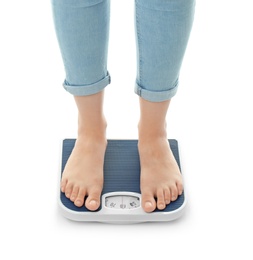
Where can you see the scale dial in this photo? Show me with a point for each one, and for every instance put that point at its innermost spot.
(122, 202)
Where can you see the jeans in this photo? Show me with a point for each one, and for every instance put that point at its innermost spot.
(162, 30)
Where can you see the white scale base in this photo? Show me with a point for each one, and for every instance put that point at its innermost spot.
(121, 198)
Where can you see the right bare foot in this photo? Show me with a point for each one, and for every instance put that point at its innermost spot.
(83, 173)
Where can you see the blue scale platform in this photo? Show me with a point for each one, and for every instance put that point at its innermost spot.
(121, 174)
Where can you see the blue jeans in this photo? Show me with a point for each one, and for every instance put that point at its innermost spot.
(162, 29)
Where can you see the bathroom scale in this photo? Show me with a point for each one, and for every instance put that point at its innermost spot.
(121, 195)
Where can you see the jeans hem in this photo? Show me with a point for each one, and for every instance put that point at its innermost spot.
(90, 89)
(155, 96)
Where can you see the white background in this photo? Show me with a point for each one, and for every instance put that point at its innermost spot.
(211, 116)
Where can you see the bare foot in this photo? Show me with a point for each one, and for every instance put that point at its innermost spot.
(160, 174)
(83, 174)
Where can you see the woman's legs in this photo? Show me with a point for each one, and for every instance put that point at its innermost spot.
(162, 33)
(82, 29)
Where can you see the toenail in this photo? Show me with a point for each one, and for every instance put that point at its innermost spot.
(93, 203)
(78, 203)
(161, 205)
(148, 204)
(167, 201)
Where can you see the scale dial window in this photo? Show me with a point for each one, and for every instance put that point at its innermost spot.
(122, 202)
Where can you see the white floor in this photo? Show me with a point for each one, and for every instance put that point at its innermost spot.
(211, 117)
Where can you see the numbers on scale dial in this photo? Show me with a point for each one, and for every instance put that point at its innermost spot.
(122, 202)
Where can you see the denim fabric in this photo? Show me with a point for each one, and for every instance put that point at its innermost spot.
(162, 29)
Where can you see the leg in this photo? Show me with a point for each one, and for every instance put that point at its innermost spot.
(82, 28)
(160, 175)
(162, 33)
(83, 174)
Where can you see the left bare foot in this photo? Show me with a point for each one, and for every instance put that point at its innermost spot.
(160, 174)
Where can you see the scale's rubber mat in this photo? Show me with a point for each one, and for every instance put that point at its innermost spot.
(121, 170)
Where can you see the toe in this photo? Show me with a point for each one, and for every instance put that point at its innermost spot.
(68, 190)
(74, 193)
(160, 199)
(63, 184)
(180, 188)
(173, 192)
(167, 196)
(80, 198)
(148, 201)
(93, 200)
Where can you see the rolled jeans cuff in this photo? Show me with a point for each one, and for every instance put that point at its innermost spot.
(156, 96)
(90, 89)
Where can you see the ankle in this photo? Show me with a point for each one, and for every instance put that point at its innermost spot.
(151, 132)
(92, 129)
